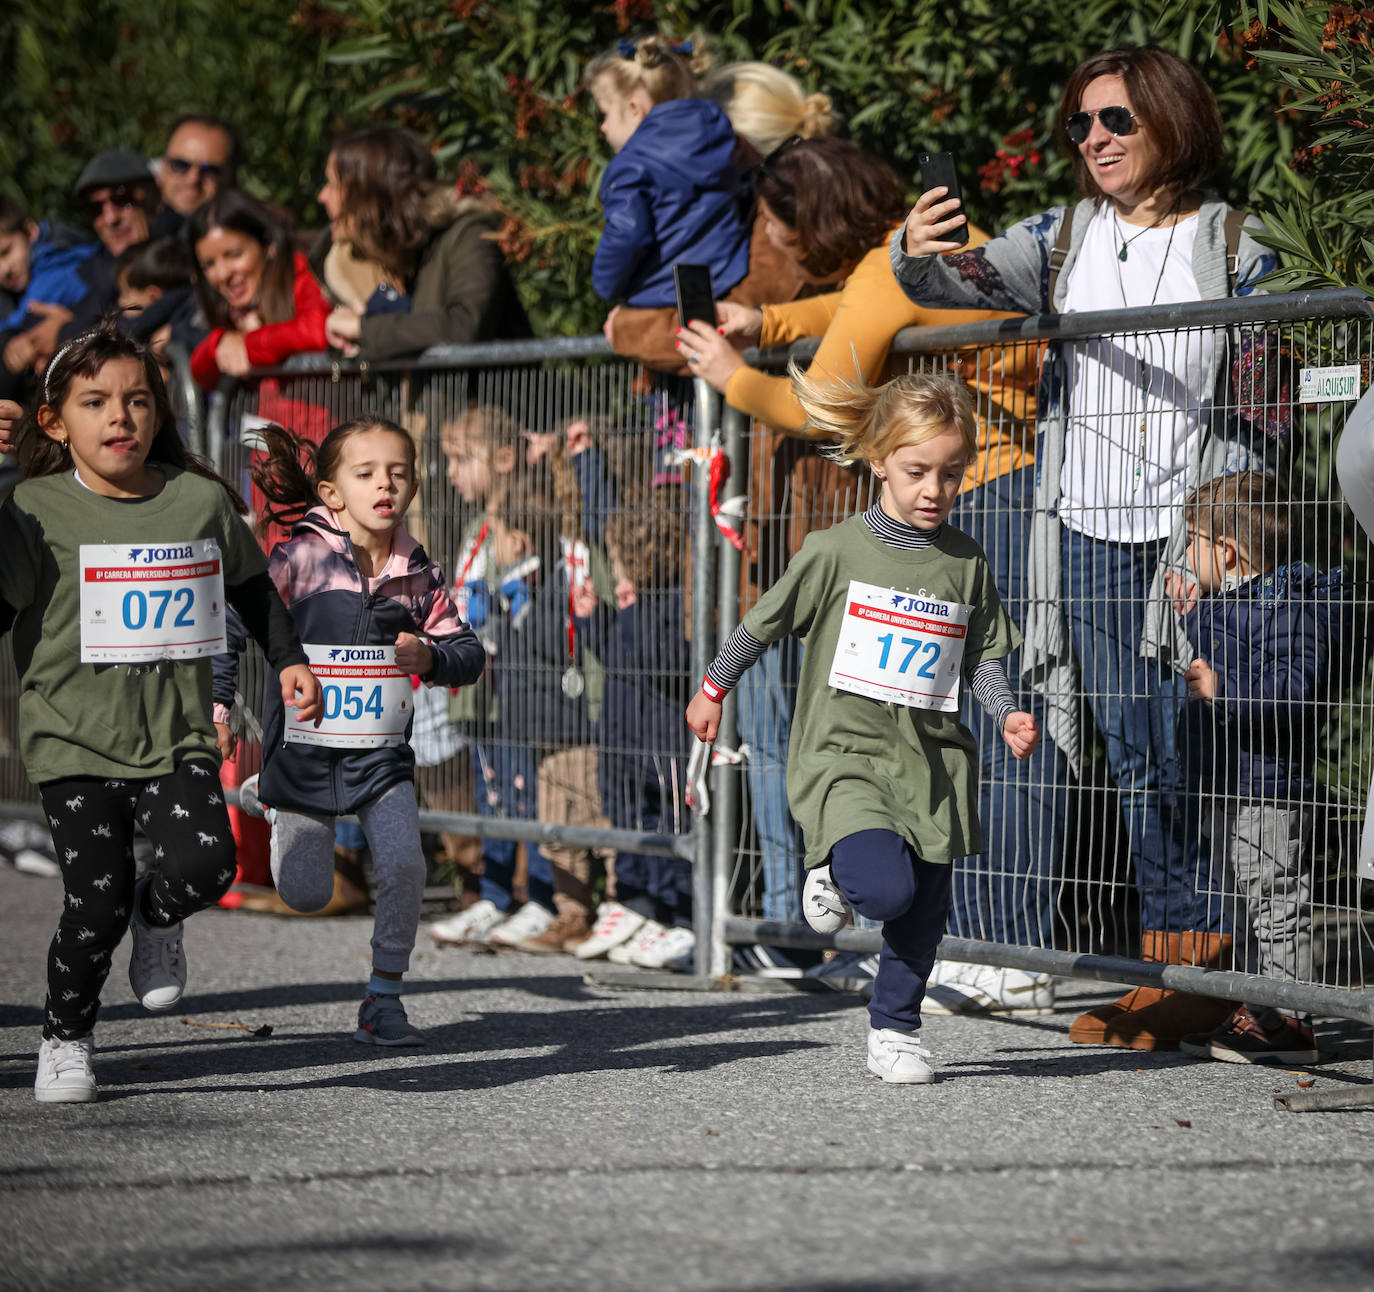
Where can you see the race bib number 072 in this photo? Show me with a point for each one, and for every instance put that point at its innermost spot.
(901, 648)
(368, 702)
(140, 604)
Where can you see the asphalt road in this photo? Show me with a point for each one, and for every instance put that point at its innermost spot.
(555, 1135)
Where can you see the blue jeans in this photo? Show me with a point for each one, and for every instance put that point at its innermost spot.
(766, 697)
(506, 779)
(884, 880)
(635, 791)
(1009, 891)
(1135, 703)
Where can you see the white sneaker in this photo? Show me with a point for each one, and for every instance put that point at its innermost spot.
(528, 922)
(899, 1057)
(847, 971)
(157, 963)
(670, 945)
(29, 861)
(623, 953)
(985, 989)
(823, 905)
(614, 924)
(471, 925)
(65, 1075)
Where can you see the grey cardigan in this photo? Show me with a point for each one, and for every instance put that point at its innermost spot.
(1012, 272)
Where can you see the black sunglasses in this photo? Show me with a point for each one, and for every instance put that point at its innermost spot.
(180, 166)
(1119, 120)
(121, 196)
(766, 166)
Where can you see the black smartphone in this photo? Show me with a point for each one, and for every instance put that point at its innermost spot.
(696, 298)
(937, 170)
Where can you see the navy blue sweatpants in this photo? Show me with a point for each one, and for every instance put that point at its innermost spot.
(884, 880)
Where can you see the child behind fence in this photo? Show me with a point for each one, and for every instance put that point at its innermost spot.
(897, 611)
(1267, 635)
(642, 644)
(515, 562)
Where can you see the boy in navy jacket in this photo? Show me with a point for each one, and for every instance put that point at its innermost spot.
(1266, 637)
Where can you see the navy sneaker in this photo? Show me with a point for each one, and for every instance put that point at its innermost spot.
(382, 1021)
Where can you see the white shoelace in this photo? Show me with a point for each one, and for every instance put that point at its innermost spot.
(69, 1055)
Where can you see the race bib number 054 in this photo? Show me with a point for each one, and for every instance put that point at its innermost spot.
(900, 648)
(367, 701)
(140, 604)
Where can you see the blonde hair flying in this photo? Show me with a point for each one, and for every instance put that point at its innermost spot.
(869, 422)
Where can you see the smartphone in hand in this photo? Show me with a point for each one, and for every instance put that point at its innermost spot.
(696, 298)
(937, 170)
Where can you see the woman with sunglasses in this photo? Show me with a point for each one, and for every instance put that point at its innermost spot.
(1126, 432)
(829, 209)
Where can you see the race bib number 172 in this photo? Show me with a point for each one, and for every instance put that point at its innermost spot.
(901, 648)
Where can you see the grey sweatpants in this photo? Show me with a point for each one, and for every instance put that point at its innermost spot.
(303, 868)
(1266, 849)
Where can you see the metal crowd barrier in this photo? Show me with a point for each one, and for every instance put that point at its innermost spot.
(1055, 889)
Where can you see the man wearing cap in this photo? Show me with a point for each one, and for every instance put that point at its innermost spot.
(118, 191)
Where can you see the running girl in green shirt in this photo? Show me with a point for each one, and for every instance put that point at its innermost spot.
(121, 551)
(897, 610)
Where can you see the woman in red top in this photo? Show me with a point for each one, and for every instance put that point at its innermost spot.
(263, 304)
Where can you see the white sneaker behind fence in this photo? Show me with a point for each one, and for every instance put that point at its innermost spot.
(614, 924)
(471, 925)
(528, 922)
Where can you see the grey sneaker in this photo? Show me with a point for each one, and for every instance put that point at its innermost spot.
(382, 1021)
(157, 963)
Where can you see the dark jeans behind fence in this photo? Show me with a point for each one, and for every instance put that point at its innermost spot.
(1008, 892)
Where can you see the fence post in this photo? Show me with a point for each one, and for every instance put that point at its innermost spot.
(725, 780)
(710, 947)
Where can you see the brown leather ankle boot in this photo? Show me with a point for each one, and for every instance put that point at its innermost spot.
(1153, 1018)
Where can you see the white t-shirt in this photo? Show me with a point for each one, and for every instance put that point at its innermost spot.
(1134, 398)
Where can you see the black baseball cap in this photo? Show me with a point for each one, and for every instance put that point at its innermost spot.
(115, 166)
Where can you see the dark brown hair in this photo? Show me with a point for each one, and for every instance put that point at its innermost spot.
(13, 218)
(40, 455)
(386, 175)
(1245, 507)
(1170, 100)
(293, 466)
(241, 213)
(840, 201)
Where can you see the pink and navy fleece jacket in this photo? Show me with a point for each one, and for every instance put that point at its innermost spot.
(332, 604)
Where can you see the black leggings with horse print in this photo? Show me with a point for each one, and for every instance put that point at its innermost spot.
(92, 822)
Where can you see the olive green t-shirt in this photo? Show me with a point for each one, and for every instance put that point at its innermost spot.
(118, 720)
(860, 764)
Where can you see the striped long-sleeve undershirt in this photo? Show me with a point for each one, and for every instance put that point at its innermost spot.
(988, 681)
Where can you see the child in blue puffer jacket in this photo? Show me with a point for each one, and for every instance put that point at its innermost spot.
(373, 609)
(672, 192)
(1267, 637)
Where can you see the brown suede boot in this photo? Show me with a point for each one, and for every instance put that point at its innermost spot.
(1153, 1018)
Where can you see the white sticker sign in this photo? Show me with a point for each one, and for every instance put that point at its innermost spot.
(900, 647)
(151, 602)
(1329, 385)
(368, 702)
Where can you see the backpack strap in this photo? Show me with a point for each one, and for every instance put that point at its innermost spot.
(1235, 221)
(1060, 254)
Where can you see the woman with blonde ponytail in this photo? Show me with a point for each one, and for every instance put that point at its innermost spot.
(898, 612)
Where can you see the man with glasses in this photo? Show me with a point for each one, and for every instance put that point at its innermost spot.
(117, 193)
(200, 158)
